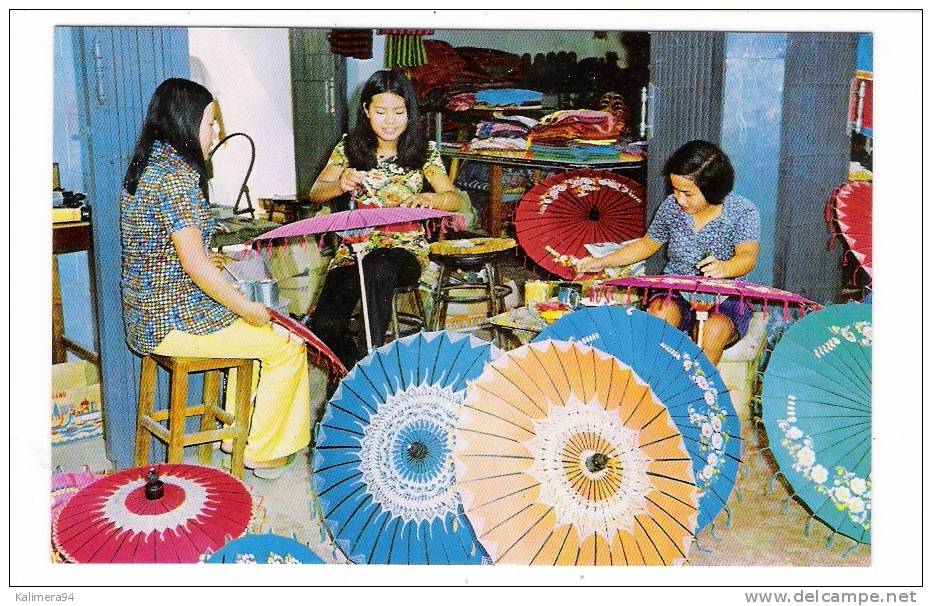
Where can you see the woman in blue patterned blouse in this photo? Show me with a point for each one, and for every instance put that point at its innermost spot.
(708, 230)
(175, 300)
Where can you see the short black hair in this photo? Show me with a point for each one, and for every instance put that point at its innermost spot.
(174, 117)
(361, 142)
(706, 165)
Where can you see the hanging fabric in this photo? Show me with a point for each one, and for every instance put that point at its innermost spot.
(355, 43)
(405, 47)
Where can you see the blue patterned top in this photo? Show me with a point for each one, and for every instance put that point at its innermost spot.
(738, 222)
(157, 293)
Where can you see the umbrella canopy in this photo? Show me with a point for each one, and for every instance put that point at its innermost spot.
(564, 456)
(850, 209)
(382, 466)
(817, 413)
(314, 345)
(560, 215)
(264, 549)
(706, 293)
(683, 378)
(360, 218)
(114, 520)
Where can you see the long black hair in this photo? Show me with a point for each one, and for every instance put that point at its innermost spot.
(706, 165)
(174, 117)
(361, 142)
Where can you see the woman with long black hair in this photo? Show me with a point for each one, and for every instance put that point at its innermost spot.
(384, 161)
(175, 300)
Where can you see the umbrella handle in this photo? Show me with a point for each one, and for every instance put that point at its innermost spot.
(358, 249)
(701, 316)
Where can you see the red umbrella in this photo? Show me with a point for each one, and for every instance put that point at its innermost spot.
(560, 215)
(313, 343)
(162, 513)
(849, 214)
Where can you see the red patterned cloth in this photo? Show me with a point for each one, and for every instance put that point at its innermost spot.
(356, 43)
(405, 32)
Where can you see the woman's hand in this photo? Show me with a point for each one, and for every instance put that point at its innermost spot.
(423, 200)
(219, 260)
(351, 179)
(256, 314)
(589, 265)
(711, 267)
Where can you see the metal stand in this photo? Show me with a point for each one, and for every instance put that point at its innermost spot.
(244, 188)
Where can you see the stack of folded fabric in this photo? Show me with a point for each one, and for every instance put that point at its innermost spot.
(576, 135)
(495, 98)
(499, 135)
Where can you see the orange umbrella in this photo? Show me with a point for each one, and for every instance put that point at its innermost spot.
(563, 455)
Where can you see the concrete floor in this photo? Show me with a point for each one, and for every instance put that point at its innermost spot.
(761, 533)
(766, 529)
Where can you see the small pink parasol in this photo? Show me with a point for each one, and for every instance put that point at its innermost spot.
(157, 514)
(361, 218)
(705, 294)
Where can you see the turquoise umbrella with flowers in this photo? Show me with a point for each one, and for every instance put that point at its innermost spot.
(817, 412)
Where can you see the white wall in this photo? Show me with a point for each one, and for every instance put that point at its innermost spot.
(248, 70)
(358, 71)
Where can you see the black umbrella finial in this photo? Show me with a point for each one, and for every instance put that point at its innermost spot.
(596, 462)
(417, 451)
(594, 213)
(155, 488)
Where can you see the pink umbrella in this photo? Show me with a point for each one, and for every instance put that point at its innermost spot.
(163, 513)
(362, 218)
(705, 294)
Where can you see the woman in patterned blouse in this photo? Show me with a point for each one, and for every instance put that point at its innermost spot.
(708, 230)
(175, 300)
(384, 161)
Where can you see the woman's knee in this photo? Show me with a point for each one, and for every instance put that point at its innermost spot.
(719, 327)
(666, 310)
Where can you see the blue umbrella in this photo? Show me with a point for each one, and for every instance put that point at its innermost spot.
(383, 466)
(817, 413)
(681, 377)
(264, 549)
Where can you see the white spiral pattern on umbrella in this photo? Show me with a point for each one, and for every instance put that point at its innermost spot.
(433, 408)
(194, 505)
(629, 481)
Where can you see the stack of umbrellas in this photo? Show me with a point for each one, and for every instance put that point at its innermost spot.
(610, 440)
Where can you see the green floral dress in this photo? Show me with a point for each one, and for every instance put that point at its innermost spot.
(388, 184)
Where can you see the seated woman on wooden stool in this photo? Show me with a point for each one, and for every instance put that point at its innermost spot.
(175, 300)
(384, 161)
(708, 230)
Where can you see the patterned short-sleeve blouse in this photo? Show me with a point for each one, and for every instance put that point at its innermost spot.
(389, 184)
(738, 222)
(157, 293)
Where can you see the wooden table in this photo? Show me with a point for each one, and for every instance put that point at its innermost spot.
(67, 238)
(496, 162)
(289, 208)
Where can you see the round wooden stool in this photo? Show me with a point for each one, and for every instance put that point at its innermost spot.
(485, 254)
(149, 421)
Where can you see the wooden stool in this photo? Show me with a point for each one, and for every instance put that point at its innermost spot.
(150, 421)
(494, 292)
(415, 322)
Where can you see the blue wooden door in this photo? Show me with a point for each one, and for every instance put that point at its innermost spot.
(117, 69)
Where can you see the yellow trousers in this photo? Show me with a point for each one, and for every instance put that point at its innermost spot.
(281, 419)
